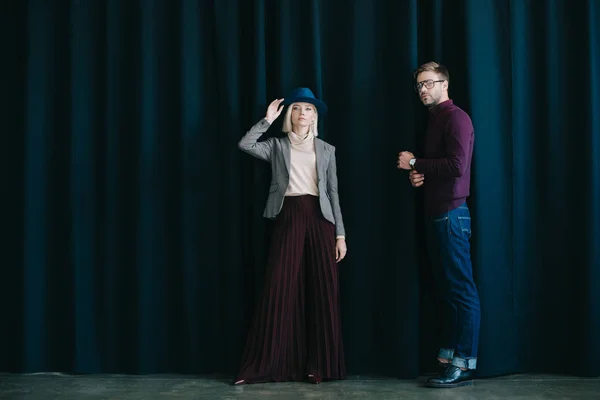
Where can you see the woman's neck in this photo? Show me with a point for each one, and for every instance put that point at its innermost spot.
(301, 131)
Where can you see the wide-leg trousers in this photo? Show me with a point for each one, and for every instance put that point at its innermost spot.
(296, 329)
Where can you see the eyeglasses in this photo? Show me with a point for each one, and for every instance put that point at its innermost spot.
(428, 84)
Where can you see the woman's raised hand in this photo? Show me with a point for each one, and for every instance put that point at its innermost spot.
(274, 110)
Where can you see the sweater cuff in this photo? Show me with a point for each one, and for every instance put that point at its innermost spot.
(341, 237)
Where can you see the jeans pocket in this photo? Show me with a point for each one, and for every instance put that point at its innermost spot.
(465, 226)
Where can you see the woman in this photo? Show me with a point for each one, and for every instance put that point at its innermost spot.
(296, 331)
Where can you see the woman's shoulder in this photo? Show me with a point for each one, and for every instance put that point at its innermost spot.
(326, 145)
(274, 139)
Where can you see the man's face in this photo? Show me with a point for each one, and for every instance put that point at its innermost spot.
(430, 89)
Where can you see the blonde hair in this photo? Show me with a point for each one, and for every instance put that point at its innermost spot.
(287, 121)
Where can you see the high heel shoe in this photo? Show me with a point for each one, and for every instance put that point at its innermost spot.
(314, 379)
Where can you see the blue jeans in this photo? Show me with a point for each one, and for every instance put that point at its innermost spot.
(450, 253)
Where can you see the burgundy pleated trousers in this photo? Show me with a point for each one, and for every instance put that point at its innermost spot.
(296, 328)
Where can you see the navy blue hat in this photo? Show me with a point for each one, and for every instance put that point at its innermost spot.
(305, 95)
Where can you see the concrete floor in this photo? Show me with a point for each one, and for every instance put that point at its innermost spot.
(125, 387)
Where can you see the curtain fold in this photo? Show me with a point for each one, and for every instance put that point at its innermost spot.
(135, 241)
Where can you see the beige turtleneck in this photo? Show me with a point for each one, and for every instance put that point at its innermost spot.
(303, 166)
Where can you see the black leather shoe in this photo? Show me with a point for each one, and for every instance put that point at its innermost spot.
(452, 377)
(442, 367)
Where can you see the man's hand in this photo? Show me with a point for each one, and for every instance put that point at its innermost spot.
(403, 159)
(416, 179)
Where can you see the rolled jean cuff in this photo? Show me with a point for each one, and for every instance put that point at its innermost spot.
(469, 363)
(448, 354)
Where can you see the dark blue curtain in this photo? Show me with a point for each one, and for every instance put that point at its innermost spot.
(133, 237)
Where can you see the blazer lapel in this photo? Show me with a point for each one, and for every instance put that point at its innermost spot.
(285, 146)
(320, 155)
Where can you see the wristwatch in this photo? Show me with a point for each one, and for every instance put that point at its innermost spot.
(412, 163)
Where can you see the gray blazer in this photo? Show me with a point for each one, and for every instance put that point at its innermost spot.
(277, 152)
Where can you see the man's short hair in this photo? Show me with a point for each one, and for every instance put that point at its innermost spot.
(433, 67)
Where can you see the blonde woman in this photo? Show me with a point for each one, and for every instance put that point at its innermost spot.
(296, 331)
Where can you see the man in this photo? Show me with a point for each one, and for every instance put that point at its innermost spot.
(444, 173)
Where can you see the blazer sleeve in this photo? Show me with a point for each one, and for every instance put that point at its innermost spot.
(250, 144)
(332, 190)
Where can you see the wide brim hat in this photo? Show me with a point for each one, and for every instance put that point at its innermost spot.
(305, 95)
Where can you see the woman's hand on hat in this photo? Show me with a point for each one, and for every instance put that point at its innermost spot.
(274, 110)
